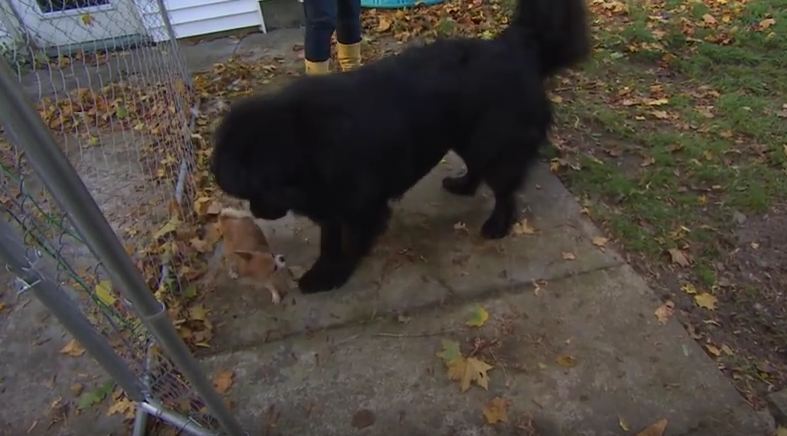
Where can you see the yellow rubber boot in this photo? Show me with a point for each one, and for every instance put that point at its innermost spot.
(348, 56)
(317, 68)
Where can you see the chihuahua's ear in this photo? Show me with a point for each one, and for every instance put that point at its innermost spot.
(244, 254)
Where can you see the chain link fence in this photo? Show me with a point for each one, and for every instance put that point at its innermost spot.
(107, 80)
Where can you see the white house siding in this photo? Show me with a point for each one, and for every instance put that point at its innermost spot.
(200, 17)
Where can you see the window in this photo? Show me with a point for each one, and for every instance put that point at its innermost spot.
(65, 5)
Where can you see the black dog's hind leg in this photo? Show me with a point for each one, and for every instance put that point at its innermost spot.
(355, 238)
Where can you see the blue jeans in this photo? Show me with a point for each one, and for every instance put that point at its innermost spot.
(325, 16)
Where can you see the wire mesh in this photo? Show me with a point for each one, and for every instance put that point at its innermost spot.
(112, 87)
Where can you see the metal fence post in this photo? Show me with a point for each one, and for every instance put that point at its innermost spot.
(50, 295)
(62, 181)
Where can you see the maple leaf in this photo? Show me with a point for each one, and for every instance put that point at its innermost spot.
(679, 257)
(468, 371)
(478, 317)
(664, 312)
(689, 289)
(496, 411)
(706, 301)
(73, 349)
(222, 381)
(655, 429)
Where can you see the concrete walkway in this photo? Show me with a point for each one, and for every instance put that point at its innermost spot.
(362, 360)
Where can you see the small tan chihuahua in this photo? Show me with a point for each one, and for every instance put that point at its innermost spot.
(248, 256)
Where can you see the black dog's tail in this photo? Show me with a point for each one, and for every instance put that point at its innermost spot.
(558, 27)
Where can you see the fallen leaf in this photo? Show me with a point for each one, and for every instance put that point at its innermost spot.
(689, 288)
(662, 115)
(222, 381)
(167, 228)
(567, 255)
(523, 228)
(104, 292)
(198, 312)
(384, 24)
(87, 19)
(657, 102)
(555, 99)
(363, 418)
(73, 349)
(600, 241)
(450, 351)
(647, 162)
(623, 424)
(478, 317)
(468, 371)
(122, 406)
(496, 411)
(766, 23)
(727, 350)
(76, 389)
(709, 19)
(664, 312)
(91, 398)
(655, 429)
(566, 361)
(679, 257)
(712, 349)
(706, 301)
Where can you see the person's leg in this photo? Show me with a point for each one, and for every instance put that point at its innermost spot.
(348, 34)
(320, 23)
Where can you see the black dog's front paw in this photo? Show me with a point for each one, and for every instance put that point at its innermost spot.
(496, 227)
(324, 276)
(463, 185)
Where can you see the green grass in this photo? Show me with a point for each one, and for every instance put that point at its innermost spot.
(726, 151)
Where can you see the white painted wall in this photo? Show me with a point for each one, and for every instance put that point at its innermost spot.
(200, 17)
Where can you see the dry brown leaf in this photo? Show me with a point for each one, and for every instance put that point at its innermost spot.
(706, 301)
(600, 241)
(523, 228)
(713, 350)
(384, 24)
(566, 361)
(647, 162)
(496, 411)
(122, 406)
(567, 255)
(623, 424)
(468, 371)
(73, 349)
(661, 115)
(679, 257)
(766, 23)
(709, 19)
(222, 381)
(664, 312)
(655, 429)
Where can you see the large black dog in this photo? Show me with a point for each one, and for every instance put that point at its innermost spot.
(338, 148)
